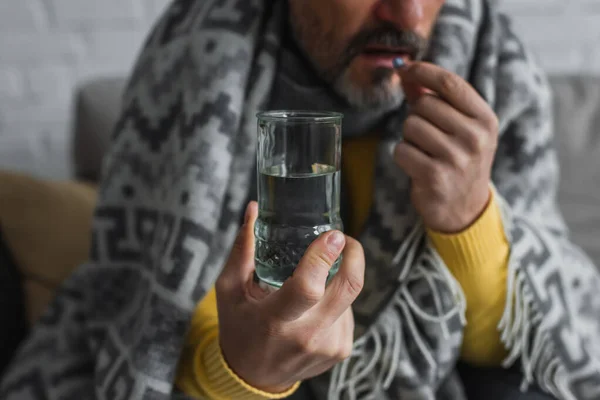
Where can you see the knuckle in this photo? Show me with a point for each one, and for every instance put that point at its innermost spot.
(345, 351)
(320, 259)
(353, 284)
(492, 145)
(331, 353)
(433, 173)
(358, 245)
(462, 162)
(449, 83)
(475, 141)
(310, 292)
(306, 344)
(356, 248)
(221, 285)
(436, 176)
(494, 124)
(319, 263)
(485, 138)
(225, 285)
(327, 258)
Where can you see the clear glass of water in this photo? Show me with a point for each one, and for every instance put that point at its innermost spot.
(298, 160)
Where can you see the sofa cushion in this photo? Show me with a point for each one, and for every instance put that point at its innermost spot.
(47, 226)
(577, 126)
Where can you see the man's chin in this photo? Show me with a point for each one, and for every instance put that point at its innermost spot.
(372, 88)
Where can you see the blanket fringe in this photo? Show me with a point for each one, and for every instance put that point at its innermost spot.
(523, 333)
(376, 356)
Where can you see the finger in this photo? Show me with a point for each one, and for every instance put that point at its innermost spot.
(239, 268)
(429, 138)
(463, 129)
(412, 90)
(440, 114)
(411, 159)
(305, 288)
(449, 86)
(345, 286)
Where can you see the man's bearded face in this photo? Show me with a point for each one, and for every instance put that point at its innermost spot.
(352, 43)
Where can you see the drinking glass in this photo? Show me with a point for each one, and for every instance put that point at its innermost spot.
(298, 161)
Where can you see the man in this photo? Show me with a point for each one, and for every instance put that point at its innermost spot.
(455, 254)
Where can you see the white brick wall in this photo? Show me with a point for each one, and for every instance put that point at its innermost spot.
(565, 35)
(47, 47)
(99, 13)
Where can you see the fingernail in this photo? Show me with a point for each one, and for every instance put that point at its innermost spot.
(398, 62)
(336, 241)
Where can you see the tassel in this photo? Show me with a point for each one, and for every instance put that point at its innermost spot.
(522, 331)
(375, 359)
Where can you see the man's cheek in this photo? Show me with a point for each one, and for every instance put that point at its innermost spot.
(431, 11)
(352, 9)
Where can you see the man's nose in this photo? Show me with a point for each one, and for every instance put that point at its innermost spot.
(405, 14)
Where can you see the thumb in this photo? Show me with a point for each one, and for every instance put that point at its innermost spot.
(239, 268)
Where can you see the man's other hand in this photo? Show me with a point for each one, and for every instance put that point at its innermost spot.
(450, 140)
(273, 340)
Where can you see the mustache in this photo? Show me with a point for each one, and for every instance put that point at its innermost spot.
(384, 35)
(388, 36)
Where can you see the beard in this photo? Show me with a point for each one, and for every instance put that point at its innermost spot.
(381, 94)
(378, 92)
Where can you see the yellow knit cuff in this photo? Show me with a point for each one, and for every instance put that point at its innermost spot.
(474, 247)
(478, 257)
(220, 382)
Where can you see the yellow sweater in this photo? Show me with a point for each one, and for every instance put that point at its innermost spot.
(477, 257)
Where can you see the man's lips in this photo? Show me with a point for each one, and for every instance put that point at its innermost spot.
(387, 50)
(384, 56)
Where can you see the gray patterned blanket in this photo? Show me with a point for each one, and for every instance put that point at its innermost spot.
(178, 176)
